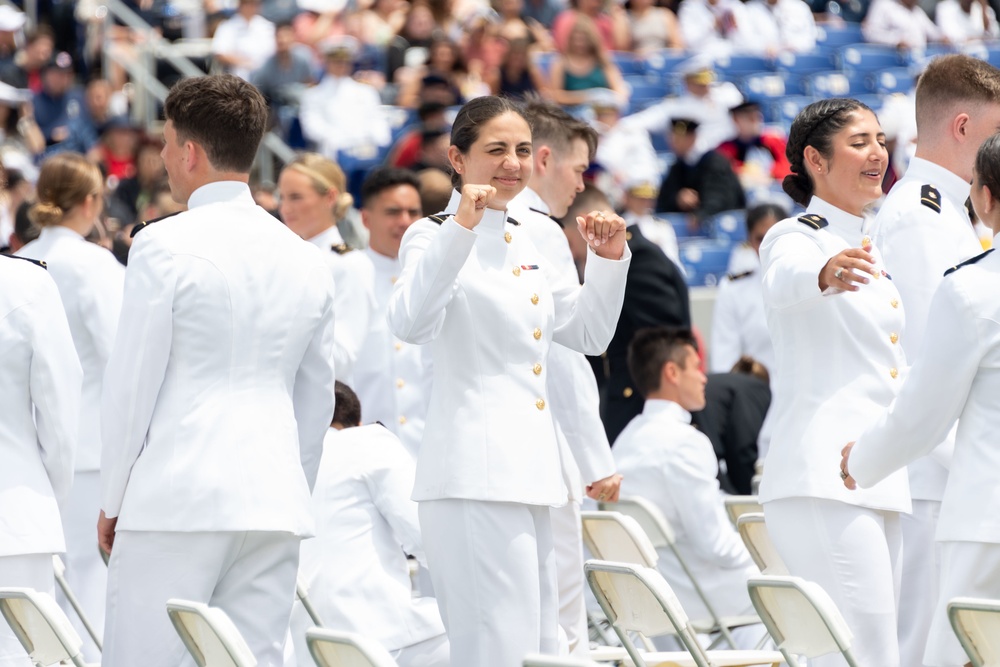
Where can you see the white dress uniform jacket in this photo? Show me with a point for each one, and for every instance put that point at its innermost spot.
(739, 324)
(220, 385)
(890, 22)
(336, 103)
(961, 27)
(712, 111)
(838, 361)
(90, 282)
(490, 306)
(40, 379)
(670, 463)
(391, 378)
(786, 25)
(354, 302)
(355, 568)
(924, 229)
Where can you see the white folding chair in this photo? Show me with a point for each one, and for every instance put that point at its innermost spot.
(209, 635)
(550, 661)
(41, 627)
(301, 592)
(333, 648)
(976, 623)
(801, 618)
(638, 599)
(59, 568)
(737, 506)
(753, 530)
(660, 535)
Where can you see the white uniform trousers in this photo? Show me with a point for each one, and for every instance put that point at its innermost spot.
(433, 652)
(28, 571)
(86, 572)
(968, 569)
(918, 592)
(567, 537)
(249, 575)
(854, 554)
(494, 572)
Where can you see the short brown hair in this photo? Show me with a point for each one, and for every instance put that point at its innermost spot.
(955, 79)
(222, 113)
(551, 126)
(653, 347)
(65, 180)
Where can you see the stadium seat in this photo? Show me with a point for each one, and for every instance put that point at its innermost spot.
(849, 33)
(704, 260)
(763, 86)
(628, 63)
(803, 63)
(895, 80)
(836, 84)
(728, 226)
(732, 67)
(869, 58)
(664, 62)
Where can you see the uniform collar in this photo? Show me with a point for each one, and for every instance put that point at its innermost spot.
(838, 217)
(654, 407)
(531, 199)
(327, 238)
(493, 219)
(950, 184)
(221, 192)
(59, 231)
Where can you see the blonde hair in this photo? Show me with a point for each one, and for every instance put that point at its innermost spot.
(325, 175)
(65, 180)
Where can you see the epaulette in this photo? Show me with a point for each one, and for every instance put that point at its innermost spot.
(931, 198)
(146, 223)
(513, 221)
(341, 248)
(971, 260)
(36, 262)
(547, 215)
(739, 276)
(815, 221)
(438, 218)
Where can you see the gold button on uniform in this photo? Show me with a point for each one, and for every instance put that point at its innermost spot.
(627, 392)
(517, 270)
(894, 303)
(400, 383)
(507, 237)
(893, 338)
(537, 370)
(393, 280)
(402, 419)
(534, 299)
(399, 346)
(540, 404)
(537, 333)
(893, 373)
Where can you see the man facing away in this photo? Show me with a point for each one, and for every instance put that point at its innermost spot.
(217, 396)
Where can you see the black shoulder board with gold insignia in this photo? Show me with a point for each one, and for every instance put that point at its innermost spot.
(142, 225)
(341, 248)
(739, 276)
(972, 260)
(513, 221)
(547, 215)
(931, 198)
(36, 262)
(813, 220)
(439, 217)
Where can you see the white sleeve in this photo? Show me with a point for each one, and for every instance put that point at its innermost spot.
(391, 486)
(137, 365)
(224, 40)
(792, 263)
(878, 26)
(55, 384)
(104, 307)
(587, 316)
(354, 306)
(315, 125)
(726, 346)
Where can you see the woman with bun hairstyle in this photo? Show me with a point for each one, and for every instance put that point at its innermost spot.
(90, 282)
(477, 291)
(314, 198)
(835, 319)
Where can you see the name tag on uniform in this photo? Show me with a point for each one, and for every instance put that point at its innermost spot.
(529, 267)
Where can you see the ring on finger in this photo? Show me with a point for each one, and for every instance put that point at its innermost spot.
(839, 273)
(843, 474)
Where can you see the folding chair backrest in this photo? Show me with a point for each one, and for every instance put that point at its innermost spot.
(976, 622)
(550, 661)
(41, 626)
(637, 599)
(800, 616)
(333, 648)
(753, 530)
(737, 506)
(649, 517)
(615, 537)
(209, 635)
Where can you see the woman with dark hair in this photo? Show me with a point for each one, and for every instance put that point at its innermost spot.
(477, 291)
(835, 320)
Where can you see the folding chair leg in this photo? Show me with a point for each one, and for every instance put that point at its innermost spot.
(71, 598)
(598, 630)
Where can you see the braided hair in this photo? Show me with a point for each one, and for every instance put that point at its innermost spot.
(815, 126)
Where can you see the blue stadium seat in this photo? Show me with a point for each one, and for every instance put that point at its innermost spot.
(728, 226)
(803, 63)
(764, 86)
(894, 80)
(869, 58)
(665, 62)
(789, 108)
(849, 33)
(836, 84)
(731, 67)
(705, 261)
(644, 93)
(679, 222)
(543, 60)
(873, 101)
(628, 63)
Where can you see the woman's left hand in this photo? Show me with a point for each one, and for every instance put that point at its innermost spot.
(604, 232)
(845, 474)
(606, 490)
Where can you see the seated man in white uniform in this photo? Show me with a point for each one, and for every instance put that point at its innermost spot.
(355, 568)
(671, 464)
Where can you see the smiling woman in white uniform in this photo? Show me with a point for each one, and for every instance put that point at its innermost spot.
(835, 319)
(479, 293)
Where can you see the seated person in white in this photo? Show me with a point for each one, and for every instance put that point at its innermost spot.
(671, 464)
(355, 569)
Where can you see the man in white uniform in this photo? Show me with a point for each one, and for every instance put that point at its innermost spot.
(244, 42)
(392, 378)
(924, 229)
(217, 396)
(670, 463)
(40, 381)
(562, 148)
(355, 568)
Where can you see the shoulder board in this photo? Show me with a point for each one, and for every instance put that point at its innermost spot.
(813, 220)
(931, 198)
(739, 276)
(341, 248)
(36, 262)
(513, 221)
(547, 215)
(439, 218)
(972, 260)
(146, 223)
